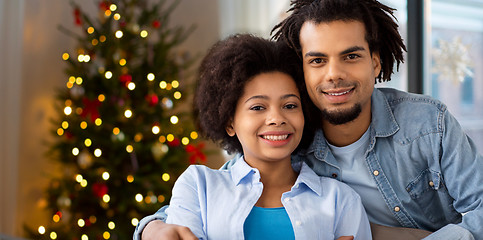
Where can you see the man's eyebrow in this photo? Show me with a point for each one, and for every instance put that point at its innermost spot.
(315, 54)
(349, 50)
(352, 49)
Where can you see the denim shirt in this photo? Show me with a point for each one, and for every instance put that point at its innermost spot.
(424, 165)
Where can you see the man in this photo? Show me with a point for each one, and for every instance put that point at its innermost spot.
(405, 154)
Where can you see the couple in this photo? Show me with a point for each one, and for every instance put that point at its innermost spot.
(404, 154)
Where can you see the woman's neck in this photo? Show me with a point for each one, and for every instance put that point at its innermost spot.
(277, 178)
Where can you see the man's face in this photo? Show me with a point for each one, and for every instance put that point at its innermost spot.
(339, 69)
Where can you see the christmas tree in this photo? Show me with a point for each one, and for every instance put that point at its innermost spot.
(124, 133)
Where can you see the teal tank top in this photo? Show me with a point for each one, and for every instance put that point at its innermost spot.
(268, 223)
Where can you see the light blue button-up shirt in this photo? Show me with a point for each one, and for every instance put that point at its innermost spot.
(427, 169)
(215, 203)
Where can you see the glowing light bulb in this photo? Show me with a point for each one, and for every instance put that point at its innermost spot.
(60, 131)
(41, 229)
(105, 175)
(97, 152)
(150, 77)
(106, 198)
(83, 125)
(194, 135)
(131, 86)
(88, 142)
(81, 222)
(65, 56)
(75, 151)
(118, 34)
(175, 84)
(108, 75)
(170, 137)
(117, 16)
(177, 95)
(67, 110)
(78, 178)
(165, 177)
(143, 33)
(84, 237)
(122, 62)
(98, 122)
(65, 124)
(174, 119)
(90, 30)
(163, 85)
(185, 141)
(106, 235)
(113, 7)
(129, 148)
(139, 197)
(128, 113)
(111, 225)
(101, 97)
(83, 183)
(156, 129)
(130, 178)
(134, 221)
(116, 131)
(53, 235)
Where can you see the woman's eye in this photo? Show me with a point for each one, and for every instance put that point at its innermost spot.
(256, 108)
(291, 106)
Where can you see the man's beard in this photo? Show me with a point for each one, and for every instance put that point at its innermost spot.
(339, 117)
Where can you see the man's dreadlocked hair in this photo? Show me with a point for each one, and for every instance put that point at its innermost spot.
(378, 19)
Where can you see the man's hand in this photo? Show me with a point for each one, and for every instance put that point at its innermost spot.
(346, 238)
(157, 229)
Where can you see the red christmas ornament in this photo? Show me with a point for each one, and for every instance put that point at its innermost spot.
(174, 143)
(196, 153)
(156, 24)
(99, 189)
(104, 5)
(90, 108)
(77, 17)
(152, 99)
(125, 79)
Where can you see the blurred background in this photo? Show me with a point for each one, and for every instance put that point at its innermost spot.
(444, 60)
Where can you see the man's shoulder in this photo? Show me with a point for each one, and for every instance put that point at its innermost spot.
(401, 99)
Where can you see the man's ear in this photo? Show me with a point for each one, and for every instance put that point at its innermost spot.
(229, 129)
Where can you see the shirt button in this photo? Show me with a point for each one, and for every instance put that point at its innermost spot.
(298, 223)
(334, 175)
(376, 172)
(431, 183)
(397, 209)
(287, 199)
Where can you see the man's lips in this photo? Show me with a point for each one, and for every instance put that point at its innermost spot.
(337, 92)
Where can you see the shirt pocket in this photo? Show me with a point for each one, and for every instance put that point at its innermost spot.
(426, 190)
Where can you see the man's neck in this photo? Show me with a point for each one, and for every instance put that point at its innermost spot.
(348, 133)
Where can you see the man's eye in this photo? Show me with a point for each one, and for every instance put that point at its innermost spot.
(316, 60)
(352, 56)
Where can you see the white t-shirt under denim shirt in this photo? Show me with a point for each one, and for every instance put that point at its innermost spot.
(355, 173)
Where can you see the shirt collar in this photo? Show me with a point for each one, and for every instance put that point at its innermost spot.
(308, 177)
(241, 169)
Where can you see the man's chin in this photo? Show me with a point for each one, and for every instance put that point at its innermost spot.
(343, 116)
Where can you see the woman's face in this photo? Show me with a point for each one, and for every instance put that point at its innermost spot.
(268, 119)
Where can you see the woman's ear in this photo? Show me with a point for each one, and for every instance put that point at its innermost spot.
(230, 130)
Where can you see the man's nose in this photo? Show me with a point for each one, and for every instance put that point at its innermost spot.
(335, 71)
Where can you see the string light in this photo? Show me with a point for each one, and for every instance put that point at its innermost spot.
(102, 38)
(60, 131)
(128, 113)
(162, 139)
(88, 142)
(105, 176)
(79, 178)
(108, 13)
(41, 230)
(118, 34)
(81, 222)
(65, 125)
(185, 141)
(170, 137)
(138, 137)
(116, 131)
(113, 7)
(90, 30)
(156, 129)
(98, 122)
(83, 124)
(78, 80)
(174, 119)
(111, 225)
(83, 183)
(130, 178)
(165, 177)
(129, 148)
(106, 235)
(177, 95)
(101, 97)
(117, 16)
(139, 197)
(75, 151)
(175, 84)
(161, 198)
(65, 56)
(97, 152)
(143, 33)
(131, 86)
(108, 75)
(150, 76)
(53, 235)
(67, 110)
(84, 237)
(194, 135)
(122, 62)
(106, 198)
(134, 221)
(163, 85)
(94, 42)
